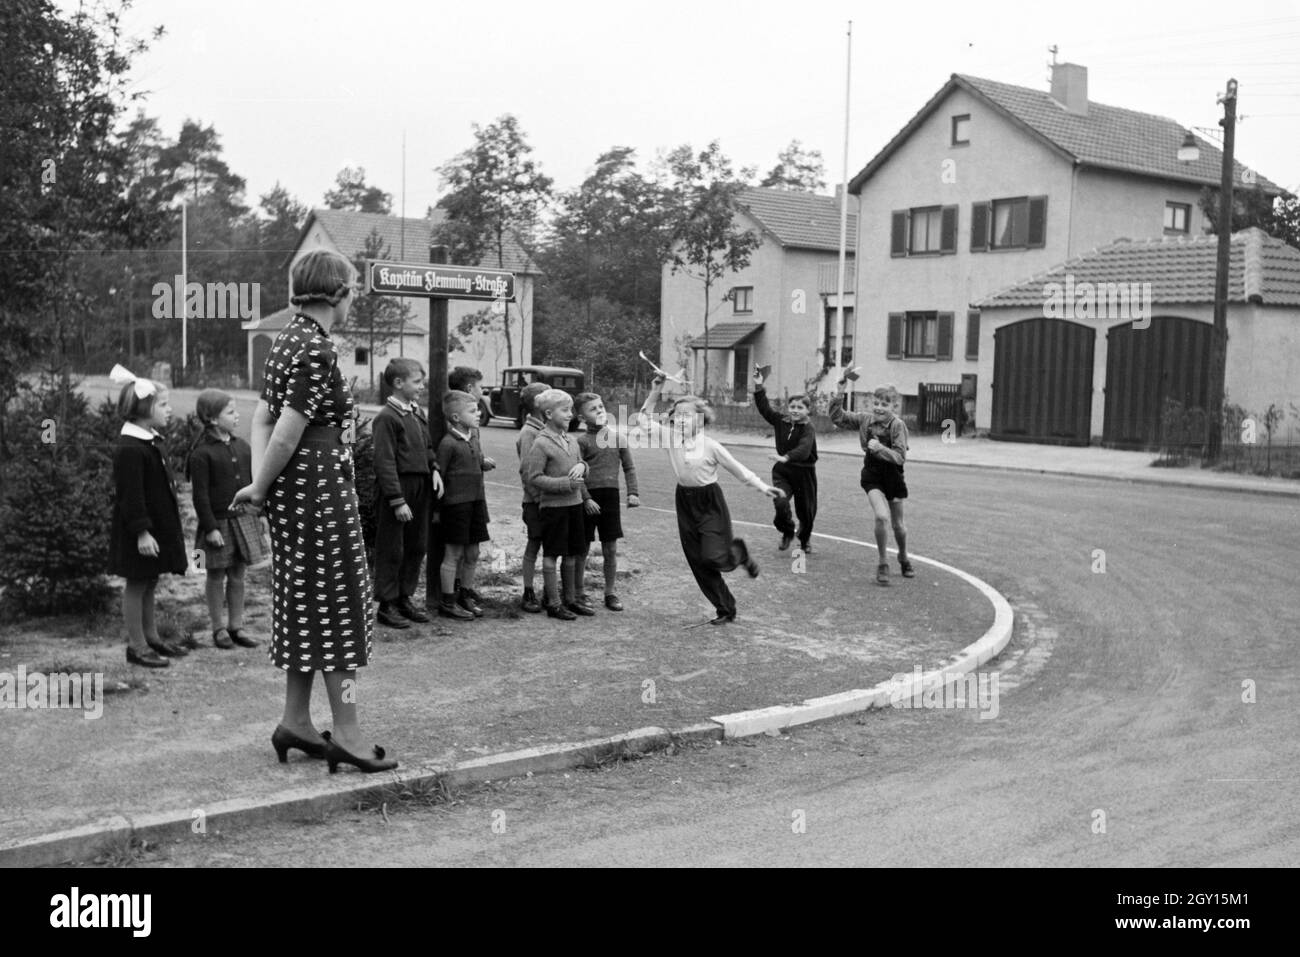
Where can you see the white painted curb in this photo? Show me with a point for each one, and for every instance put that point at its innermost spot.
(985, 648)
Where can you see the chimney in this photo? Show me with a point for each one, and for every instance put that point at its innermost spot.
(1070, 87)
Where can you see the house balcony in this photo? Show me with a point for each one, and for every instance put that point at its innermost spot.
(828, 277)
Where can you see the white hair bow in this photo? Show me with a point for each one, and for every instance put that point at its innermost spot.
(123, 375)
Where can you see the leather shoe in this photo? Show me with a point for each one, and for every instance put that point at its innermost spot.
(334, 756)
(786, 538)
(612, 603)
(723, 619)
(387, 616)
(578, 608)
(146, 659)
(560, 612)
(409, 611)
(448, 608)
(530, 603)
(466, 601)
(244, 641)
(168, 649)
(221, 638)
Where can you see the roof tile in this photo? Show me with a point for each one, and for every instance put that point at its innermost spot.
(1261, 268)
(799, 220)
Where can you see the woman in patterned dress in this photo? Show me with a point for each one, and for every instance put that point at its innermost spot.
(302, 461)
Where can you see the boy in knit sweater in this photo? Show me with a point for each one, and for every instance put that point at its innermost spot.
(532, 427)
(403, 475)
(604, 454)
(794, 468)
(553, 467)
(464, 505)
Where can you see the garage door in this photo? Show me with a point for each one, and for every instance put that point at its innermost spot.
(1042, 382)
(1169, 359)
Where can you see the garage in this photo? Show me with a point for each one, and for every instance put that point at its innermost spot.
(1144, 366)
(1042, 382)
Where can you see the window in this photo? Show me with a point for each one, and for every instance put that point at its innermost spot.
(362, 356)
(919, 335)
(961, 130)
(828, 334)
(1019, 223)
(973, 334)
(1176, 217)
(742, 299)
(923, 231)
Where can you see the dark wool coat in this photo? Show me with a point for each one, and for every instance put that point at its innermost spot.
(144, 501)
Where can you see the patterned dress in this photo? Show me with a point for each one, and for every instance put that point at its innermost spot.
(320, 601)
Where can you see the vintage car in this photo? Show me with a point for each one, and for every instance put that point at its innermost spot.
(501, 402)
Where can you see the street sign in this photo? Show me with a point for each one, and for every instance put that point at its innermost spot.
(439, 282)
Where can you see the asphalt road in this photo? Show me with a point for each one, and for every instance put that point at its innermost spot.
(1146, 716)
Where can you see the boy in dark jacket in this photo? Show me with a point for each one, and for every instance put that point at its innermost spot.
(794, 469)
(402, 472)
(464, 505)
(605, 452)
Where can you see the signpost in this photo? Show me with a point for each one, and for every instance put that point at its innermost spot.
(437, 282)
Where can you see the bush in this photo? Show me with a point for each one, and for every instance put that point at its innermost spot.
(55, 503)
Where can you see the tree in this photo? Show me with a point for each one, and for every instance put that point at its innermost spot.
(1251, 206)
(496, 189)
(195, 160)
(797, 169)
(601, 269)
(351, 192)
(707, 243)
(374, 316)
(63, 172)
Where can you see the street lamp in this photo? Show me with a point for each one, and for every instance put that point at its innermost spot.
(1188, 152)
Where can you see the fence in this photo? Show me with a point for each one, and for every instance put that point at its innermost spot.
(936, 403)
(1248, 443)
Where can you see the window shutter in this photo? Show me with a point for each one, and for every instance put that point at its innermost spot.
(898, 234)
(944, 350)
(1037, 221)
(948, 230)
(973, 334)
(894, 347)
(979, 226)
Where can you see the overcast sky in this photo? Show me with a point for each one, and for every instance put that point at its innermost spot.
(298, 89)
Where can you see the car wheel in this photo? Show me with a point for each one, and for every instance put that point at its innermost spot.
(485, 415)
(519, 420)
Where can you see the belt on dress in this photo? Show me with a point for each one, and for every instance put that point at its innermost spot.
(326, 435)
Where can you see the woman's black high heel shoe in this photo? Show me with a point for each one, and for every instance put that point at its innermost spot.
(336, 756)
(283, 739)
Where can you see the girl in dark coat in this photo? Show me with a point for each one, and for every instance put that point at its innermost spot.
(221, 464)
(146, 538)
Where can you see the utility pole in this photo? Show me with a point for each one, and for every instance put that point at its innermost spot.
(1219, 335)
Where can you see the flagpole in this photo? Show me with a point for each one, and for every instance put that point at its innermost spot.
(838, 341)
(401, 330)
